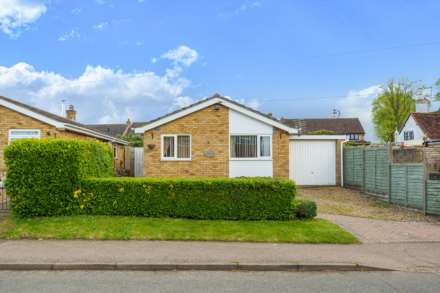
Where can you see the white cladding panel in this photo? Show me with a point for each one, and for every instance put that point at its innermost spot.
(242, 124)
(250, 168)
(312, 162)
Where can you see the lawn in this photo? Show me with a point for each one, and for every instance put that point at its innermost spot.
(118, 228)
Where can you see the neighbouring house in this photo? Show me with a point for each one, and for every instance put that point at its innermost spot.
(350, 127)
(218, 137)
(420, 129)
(19, 120)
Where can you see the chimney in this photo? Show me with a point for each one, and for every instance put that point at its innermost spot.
(71, 113)
(269, 114)
(423, 105)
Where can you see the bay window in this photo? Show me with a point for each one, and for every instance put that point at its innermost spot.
(251, 146)
(176, 147)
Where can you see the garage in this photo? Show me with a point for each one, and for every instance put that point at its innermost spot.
(315, 160)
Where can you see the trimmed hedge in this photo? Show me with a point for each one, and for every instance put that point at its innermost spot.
(42, 174)
(304, 209)
(202, 198)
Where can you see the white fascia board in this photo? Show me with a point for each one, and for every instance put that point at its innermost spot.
(31, 114)
(317, 137)
(212, 102)
(96, 134)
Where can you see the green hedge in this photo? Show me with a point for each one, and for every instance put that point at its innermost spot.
(42, 174)
(202, 198)
(304, 209)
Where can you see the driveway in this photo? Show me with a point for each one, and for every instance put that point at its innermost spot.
(383, 231)
(370, 219)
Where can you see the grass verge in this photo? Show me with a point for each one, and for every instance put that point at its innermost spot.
(137, 228)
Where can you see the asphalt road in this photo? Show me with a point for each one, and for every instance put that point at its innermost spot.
(93, 281)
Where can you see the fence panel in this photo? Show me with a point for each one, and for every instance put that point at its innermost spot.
(353, 166)
(139, 162)
(433, 197)
(408, 185)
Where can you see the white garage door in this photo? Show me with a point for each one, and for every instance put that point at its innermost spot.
(312, 162)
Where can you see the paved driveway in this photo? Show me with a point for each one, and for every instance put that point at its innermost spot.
(385, 231)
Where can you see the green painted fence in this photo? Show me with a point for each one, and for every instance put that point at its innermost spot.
(370, 170)
(433, 197)
(408, 185)
(367, 168)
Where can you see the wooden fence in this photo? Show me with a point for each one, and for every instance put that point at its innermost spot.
(371, 169)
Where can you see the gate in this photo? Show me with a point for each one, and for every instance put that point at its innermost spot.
(4, 201)
(139, 162)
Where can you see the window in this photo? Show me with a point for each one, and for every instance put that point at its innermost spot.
(15, 134)
(176, 147)
(353, 136)
(408, 135)
(115, 151)
(251, 146)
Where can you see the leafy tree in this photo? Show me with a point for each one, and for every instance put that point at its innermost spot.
(392, 107)
(133, 139)
(437, 95)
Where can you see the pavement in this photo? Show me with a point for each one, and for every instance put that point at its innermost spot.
(380, 231)
(43, 254)
(212, 282)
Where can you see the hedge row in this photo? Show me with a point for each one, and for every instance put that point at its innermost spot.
(230, 199)
(42, 174)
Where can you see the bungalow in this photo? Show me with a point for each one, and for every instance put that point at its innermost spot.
(218, 137)
(19, 120)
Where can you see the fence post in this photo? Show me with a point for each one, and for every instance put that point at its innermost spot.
(390, 164)
(363, 170)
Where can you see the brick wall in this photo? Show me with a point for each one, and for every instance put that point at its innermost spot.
(338, 162)
(10, 119)
(209, 130)
(280, 153)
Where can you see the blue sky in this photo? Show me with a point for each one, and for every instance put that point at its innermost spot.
(139, 59)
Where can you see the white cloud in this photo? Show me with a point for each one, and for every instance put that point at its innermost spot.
(357, 104)
(75, 11)
(100, 94)
(252, 103)
(68, 36)
(16, 15)
(182, 55)
(100, 26)
(244, 6)
(181, 101)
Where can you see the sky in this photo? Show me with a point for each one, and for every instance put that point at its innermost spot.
(138, 59)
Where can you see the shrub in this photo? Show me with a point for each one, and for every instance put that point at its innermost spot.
(42, 174)
(304, 209)
(321, 132)
(202, 198)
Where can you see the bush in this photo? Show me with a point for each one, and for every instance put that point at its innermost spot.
(202, 198)
(42, 174)
(321, 132)
(304, 209)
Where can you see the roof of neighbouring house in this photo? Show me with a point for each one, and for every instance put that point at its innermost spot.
(429, 123)
(338, 125)
(56, 120)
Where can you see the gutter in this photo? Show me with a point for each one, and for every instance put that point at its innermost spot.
(94, 133)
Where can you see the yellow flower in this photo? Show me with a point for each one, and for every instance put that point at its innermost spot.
(76, 193)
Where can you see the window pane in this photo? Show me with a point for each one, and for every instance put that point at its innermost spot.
(183, 147)
(244, 146)
(168, 146)
(265, 146)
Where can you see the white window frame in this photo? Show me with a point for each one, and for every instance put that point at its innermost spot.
(175, 158)
(23, 130)
(258, 157)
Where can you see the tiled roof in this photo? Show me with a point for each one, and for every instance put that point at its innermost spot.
(429, 123)
(54, 116)
(338, 125)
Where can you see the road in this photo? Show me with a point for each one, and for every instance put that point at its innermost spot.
(93, 281)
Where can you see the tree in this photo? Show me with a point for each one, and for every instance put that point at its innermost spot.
(392, 107)
(437, 95)
(135, 140)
